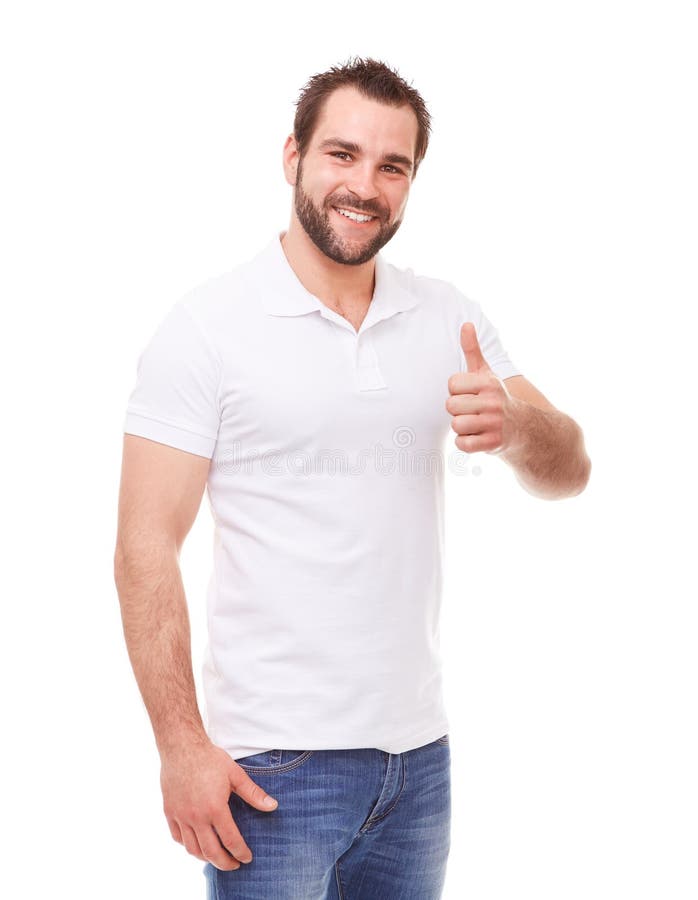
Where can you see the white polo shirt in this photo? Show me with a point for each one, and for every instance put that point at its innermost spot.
(328, 451)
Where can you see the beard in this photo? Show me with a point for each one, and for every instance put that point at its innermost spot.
(315, 221)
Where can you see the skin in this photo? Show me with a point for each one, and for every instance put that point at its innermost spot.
(162, 487)
(159, 497)
(367, 178)
(543, 446)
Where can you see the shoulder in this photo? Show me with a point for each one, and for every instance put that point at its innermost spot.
(222, 301)
(219, 295)
(433, 291)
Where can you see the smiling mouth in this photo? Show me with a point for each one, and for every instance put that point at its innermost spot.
(359, 218)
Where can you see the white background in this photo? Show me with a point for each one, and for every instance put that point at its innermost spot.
(141, 156)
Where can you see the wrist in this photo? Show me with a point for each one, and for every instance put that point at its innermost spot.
(181, 740)
(517, 424)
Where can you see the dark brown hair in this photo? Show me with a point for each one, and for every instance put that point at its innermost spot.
(372, 78)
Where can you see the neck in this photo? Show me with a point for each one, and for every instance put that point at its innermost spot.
(329, 281)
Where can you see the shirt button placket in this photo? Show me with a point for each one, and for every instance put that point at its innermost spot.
(368, 374)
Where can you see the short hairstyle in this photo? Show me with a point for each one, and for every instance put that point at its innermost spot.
(372, 78)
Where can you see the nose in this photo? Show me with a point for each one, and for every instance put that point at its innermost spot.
(361, 181)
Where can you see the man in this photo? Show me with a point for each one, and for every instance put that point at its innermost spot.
(311, 390)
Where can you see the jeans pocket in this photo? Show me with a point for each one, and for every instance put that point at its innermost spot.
(274, 761)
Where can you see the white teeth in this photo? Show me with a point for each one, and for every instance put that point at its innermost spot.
(357, 217)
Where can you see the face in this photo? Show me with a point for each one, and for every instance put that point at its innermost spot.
(352, 183)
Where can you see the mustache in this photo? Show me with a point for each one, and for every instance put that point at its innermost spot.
(363, 206)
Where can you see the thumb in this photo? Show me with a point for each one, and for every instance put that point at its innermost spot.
(473, 355)
(250, 792)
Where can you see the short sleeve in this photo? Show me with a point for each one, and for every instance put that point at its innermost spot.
(176, 397)
(489, 341)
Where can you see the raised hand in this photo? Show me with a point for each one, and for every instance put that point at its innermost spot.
(481, 406)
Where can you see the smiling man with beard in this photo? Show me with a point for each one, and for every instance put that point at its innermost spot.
(316, 221)
(325, 750)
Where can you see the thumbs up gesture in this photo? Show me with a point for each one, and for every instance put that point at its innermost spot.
(482, 408)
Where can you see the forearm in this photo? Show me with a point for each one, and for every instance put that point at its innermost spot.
(158, 639)
(548, 454)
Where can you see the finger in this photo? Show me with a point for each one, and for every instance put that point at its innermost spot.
(468, 382)
(464, 404)
(251, 793)
(470, 424)
(191, 842)
(230, 837)
(175, 831)
(214, 851)
(479, 424)
(471, 348)
(476, 443)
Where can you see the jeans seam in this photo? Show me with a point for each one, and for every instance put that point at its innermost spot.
(275, 770)
(340, 886)
(373, 820)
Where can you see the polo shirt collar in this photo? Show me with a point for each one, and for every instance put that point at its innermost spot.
(284, 295)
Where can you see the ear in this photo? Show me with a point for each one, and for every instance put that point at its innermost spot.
(291, 157)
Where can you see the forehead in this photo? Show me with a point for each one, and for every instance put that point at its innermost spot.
(350, 115)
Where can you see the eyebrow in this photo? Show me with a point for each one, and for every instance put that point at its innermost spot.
(350, 147)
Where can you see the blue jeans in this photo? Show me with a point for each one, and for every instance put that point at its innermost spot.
(350, 825)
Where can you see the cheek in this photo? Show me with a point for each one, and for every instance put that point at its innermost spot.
(318, 185)
(398, 202)
(328, 188)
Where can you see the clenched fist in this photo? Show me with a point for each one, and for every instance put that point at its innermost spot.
(481, 406)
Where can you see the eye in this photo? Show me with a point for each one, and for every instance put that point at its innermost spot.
(392, 170)
(340, 154)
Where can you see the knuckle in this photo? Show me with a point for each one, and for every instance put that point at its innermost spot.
(207, 812)
(255, 792)
(177, 812)
(227, 837)
(234, 844)
(223, 860)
